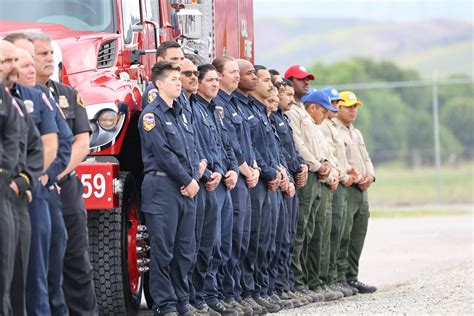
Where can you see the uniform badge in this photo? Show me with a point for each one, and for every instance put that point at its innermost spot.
(220, 109)
(63, 103)
(29, 105)
(80, 102)
(151, 96)
(148, 122)
(185, 119)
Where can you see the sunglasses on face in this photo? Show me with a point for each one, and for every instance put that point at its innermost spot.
(189, 73)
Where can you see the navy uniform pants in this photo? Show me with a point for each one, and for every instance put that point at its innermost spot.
(231, 285)
(282, 242)
(170, 219)
(37, 299)
(223, 246)
(57, 302)
(259, 239)
(78, 280)
(205, 234)
(23, 240)
(7, 249)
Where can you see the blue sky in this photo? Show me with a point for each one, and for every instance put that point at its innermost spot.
(376, 10)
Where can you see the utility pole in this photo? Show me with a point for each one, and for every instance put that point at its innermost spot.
(437, 150)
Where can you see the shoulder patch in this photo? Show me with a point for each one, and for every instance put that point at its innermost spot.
(149, 121)
(151, 96)
(80, 102)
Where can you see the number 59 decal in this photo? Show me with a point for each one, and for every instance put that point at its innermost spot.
(93, 185)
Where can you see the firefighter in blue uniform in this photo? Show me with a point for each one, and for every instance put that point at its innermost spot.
(43, 115)
(255, 268)
(9, 150)
(298, 169)
(168, 188)
(238, 134)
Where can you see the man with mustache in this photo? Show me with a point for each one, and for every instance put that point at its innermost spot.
(78, 284)
(9, 151)
(296, 165)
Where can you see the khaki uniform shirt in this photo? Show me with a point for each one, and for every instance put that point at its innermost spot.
(328, 154)
(356, 152)
(306, 135)
(335, 140)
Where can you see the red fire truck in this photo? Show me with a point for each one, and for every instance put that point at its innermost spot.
(106, 49)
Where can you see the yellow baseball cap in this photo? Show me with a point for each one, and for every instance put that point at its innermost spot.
(349, 99)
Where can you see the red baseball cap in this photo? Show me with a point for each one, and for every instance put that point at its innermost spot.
(298, 72)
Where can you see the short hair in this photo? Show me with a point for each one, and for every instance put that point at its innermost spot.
(13, 37)
(258, 68)
(160, 70)
(220, 62)
(288, 82)
(161, 50)
(204, 69)
(192, 58)
(39, 36)
(273, 72)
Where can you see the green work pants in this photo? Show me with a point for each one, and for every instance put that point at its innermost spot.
(339, 214)
(309, 200)
(318, 253)
(354, 232)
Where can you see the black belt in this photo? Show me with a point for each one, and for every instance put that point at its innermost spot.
(67, 177)
(158, 173)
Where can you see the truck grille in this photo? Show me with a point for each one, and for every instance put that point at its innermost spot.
(106, 55)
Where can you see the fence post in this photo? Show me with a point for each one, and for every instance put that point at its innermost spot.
(437, 149)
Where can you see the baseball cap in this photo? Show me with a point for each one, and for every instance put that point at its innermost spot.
(349, 99)
(332, 93)
(319, 97)
(298, 72)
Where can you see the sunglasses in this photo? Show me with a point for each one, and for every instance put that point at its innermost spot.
(189, 73)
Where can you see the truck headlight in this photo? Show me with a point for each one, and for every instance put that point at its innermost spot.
(107, 119)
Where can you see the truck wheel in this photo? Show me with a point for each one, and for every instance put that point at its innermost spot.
(118, 252)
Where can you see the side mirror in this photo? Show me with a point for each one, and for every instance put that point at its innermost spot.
(190, 21)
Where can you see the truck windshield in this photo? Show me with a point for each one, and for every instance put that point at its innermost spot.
(86, 15)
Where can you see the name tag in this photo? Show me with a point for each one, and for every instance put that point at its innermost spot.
(281, 124)
(169, 123)
(234, 114)
(250, 117)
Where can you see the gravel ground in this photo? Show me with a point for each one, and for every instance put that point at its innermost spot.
(420, 265)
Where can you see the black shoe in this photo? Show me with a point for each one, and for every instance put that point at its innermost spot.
(315, 296)
(204, 310)
(257, 309)
(221, 309)
(336, 287)
(327, 294)
(362, 287)
(246, 310)
(265, 302)
(285, 304)
(302, 296)
(297, 301)
(347, 286)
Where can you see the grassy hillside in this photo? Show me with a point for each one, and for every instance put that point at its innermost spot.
(444, 45)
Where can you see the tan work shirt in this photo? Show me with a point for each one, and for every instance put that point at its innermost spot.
(328, 154)
(335, 140)
(306, 136)
(356, 152)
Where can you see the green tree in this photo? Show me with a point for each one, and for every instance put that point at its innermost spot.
(458, 116)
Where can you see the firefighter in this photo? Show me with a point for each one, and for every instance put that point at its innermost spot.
(169, 51)
(43, 116)
(213, 243)
(339, 202)
(305, 138)
(296, 165)
(9, 151)
(78, 284)
(317, 104)
(168, 189)
(279, 206)
(255, 267)
(239, 138)
(57, 247)
(355, 227)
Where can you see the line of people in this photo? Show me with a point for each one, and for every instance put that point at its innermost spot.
(255, 188)
(45, 266)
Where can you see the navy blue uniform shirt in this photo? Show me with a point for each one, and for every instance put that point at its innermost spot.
(238, 133)
(9, 135)
(149, 94)
(260, 131)
(167, 141)
(208, 134)
(285, 133)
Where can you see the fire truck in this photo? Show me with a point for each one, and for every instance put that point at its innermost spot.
(105, 49)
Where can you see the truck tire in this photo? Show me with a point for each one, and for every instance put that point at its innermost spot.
(113, 248)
